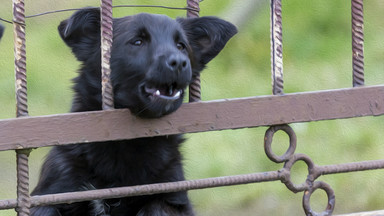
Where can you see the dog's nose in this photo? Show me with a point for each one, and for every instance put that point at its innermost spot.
(177, 62)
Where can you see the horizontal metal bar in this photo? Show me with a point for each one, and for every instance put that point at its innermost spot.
(350, 167)
(149, 189)
(31, 132)
(370, 213)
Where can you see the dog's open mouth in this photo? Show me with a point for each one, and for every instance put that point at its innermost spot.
(166, 92)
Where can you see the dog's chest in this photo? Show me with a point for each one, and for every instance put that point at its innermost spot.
(133, 162)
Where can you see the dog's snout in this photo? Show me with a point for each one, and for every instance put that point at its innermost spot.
(176, 62)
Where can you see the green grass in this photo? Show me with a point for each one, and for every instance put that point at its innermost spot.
(317, 56)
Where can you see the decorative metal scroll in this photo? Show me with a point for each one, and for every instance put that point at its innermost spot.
(289, 158)
(310, 185)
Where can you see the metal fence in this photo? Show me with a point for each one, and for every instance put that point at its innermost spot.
(277, 111)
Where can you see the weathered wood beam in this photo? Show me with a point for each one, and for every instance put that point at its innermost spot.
(31, 132)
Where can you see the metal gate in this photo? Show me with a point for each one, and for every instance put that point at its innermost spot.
(276, 111)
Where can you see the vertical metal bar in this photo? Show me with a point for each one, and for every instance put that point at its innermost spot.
(106, 45)
(194, 5)
(276, 48)
(194, 87)
(20, 58)
(23, 199)
(357, 42)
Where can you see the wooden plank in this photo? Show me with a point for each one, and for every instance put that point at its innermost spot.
(30, 132)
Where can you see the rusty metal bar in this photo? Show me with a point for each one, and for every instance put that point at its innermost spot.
(20, 58)
(193, 8)
(370, 213)
(146, 189)
(276, 48)
(350, 167)
(179, 186)
(331, 199)
(23, 199)
(217, 115)
(358, 42)
(289, 158)
(194, 87)
(106, 28)
(8, 204)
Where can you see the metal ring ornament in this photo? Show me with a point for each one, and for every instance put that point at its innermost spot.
(268, 143)
(309, 180)
(331, 199)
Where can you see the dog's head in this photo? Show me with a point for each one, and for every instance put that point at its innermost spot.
(153, 57)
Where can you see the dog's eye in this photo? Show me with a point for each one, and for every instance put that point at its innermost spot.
(137, 42)
(180, 46)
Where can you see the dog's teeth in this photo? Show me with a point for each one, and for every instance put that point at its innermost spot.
(157, 92)
(177, 94)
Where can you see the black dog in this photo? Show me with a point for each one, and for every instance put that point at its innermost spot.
(152, 61)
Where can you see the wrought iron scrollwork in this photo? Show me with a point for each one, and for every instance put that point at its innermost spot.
(289, 158)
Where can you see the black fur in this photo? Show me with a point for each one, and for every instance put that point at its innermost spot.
(1, 30)
(153, 58)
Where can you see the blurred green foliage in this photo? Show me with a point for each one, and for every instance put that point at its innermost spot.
(317, 56)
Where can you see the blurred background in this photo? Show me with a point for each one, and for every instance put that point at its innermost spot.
(317, 56)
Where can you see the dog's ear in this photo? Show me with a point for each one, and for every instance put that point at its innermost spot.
(207, 36)
(1, 30)
(81, 32)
